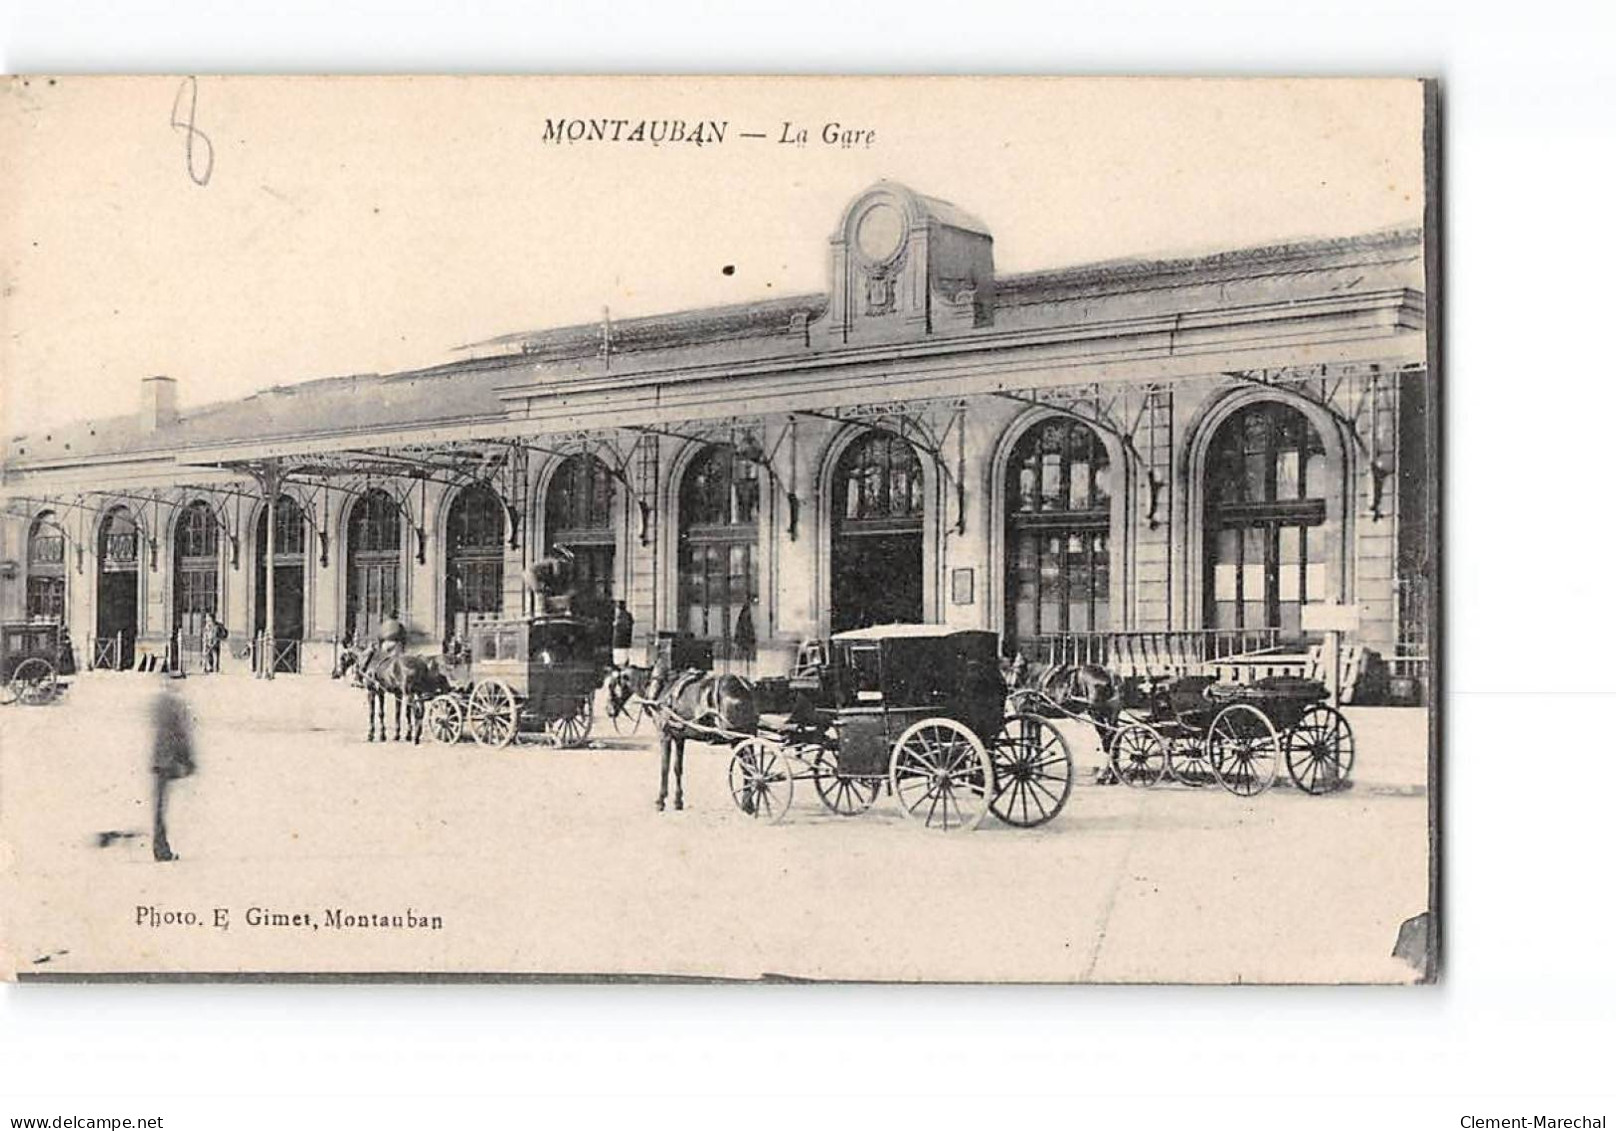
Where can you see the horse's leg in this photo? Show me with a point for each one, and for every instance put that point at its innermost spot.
(370, 714)
(679, 774)
(662, 794)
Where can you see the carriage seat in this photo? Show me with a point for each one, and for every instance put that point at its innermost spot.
(1286, 687)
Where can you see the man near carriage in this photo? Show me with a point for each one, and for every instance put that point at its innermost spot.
(212, 634)
(622, 635)
(391, 635)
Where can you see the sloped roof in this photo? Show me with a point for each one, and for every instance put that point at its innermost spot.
(467, 389)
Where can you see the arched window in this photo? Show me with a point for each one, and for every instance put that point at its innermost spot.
(118, 548)
(291, 544)
(878, 500)
(374, 531)
(578, 519)
(117, 604)
(1058, 504)
(1267, 539)
(196, 573)
(475, 550)
(718, 515)
(47, 569)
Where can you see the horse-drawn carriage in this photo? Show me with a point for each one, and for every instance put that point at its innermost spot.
(917, 710)
(34, 657)
(535, 675)
(1197, 731)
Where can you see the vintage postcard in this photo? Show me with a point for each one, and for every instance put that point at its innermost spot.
(922, 529)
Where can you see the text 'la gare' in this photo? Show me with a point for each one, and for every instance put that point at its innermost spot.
(699, 132)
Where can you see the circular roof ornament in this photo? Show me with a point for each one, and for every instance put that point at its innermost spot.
(880, 232)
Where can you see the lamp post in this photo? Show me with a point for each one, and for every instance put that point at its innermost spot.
(269, 476)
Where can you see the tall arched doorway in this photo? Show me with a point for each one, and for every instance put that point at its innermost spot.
(1058, 536)
(196, 578)
(474, 560)
(373, 537)
(46, 594)
(877, 545)
(578, 519)
(1268, 541)
(291, 568)
(117, 602)
(718, 533)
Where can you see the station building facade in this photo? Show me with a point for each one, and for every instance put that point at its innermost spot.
(1195, 448)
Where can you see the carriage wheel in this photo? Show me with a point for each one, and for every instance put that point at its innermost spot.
(445, 719)
(1243, 749)
(941, 775)
(760, 780)
(1138, 755)
(491, 715)
(34, 682)
(843, 795)
(1319, 750)
(1032, 771)
(573, 729)
(1187, 763)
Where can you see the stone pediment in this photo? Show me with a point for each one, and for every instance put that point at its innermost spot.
(905, 266)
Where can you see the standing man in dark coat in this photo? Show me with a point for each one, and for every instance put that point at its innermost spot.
(172, 757)
(622, 635)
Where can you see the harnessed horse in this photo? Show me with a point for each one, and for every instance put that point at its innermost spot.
(705, 706)
(384, 671)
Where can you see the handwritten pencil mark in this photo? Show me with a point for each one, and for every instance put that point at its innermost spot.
(203, 172)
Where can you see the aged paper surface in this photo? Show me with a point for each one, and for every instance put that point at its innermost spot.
(1037, 473)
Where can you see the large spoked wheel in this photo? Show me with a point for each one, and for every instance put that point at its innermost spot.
(491, 715)
(1319, 750)
(1138, 755)
(1032, 771)
(573, 729)
(445, 719)
(1187, 763)
(941, 775)
(843, 795)
(760, 780)
(1243, 750)
(33, 682)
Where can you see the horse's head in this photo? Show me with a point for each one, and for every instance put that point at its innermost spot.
(1094, 686)
(346, 657)
(355, 660)
(736, 702)
(621, 685)
(1054, 680)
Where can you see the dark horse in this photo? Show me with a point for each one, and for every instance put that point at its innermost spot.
(705, 706)
(383, 672)
(1086, 688)
(1083, 689)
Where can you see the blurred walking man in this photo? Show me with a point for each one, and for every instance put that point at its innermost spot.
(172, 757)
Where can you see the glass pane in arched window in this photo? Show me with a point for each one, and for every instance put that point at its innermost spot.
(47, 546)
(718, 510)
(1058, 567)
(878, 477)
(197, 534)
(1267, 541)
